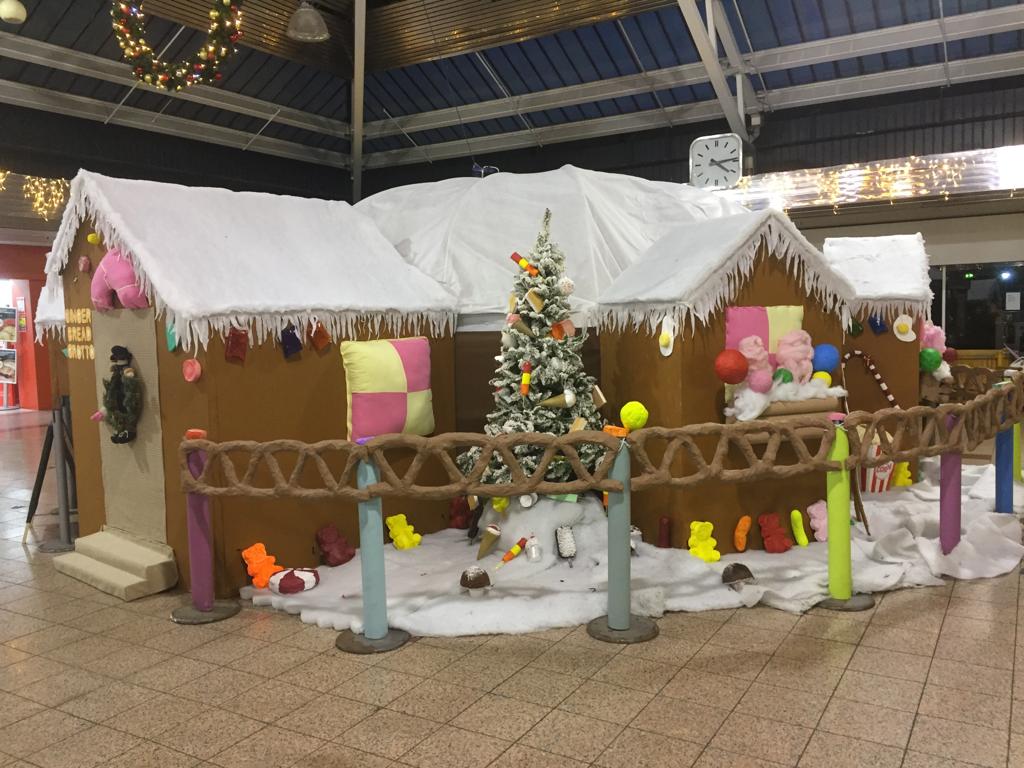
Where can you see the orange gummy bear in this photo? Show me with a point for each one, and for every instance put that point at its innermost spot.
(739, 537)
(260, 565)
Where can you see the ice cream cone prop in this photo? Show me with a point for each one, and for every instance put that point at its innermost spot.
(524, 382)
(512, 303)
(565, 400)
(491, 535)
(517, 322)
(534, 299)
(524, 264)
(512, 553)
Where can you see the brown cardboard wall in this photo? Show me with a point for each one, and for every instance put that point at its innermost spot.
(270, 398)
(683, 389)
(81, 381)
(896, 361)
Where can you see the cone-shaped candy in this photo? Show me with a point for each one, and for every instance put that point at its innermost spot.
(491, 535)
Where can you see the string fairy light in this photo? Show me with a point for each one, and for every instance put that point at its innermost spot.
(46, 195)
(203, 67)
(885, 180)
(3, 179)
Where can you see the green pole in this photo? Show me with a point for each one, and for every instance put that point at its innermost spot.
(840, 581)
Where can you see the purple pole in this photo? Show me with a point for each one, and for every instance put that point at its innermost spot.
(949, 496)
(200, 540)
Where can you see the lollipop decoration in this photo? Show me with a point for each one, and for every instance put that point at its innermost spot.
(511, 555)
(524, 265)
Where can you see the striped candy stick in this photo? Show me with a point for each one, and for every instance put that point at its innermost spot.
(873, 370)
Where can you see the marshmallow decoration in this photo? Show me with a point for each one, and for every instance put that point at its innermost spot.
(294, 580)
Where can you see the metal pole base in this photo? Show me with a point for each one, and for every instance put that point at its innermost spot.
(189, 614)
(349, 642)
(641, 629)
(55, 547)
(855, 603)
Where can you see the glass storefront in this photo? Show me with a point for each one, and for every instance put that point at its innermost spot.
(979, 305)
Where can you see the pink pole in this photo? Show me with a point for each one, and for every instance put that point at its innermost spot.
(200, 540)
(949, 497)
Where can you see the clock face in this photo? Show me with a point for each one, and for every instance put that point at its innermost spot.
(716, 162)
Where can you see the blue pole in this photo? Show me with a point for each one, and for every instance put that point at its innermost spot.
(371, 556)
(1004, 471)
(618, 544)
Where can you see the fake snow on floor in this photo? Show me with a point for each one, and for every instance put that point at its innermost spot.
(424, 596)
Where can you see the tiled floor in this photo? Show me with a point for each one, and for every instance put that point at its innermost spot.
(926, 680)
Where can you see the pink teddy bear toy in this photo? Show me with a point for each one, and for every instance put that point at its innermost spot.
(759, 369)
(796, 354)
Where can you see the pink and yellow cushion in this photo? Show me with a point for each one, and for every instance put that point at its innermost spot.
(388, 383)
(768, 323)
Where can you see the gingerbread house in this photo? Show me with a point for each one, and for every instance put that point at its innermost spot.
(703, 287)
(232, 306)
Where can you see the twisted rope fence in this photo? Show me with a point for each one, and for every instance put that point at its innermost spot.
(680, 456)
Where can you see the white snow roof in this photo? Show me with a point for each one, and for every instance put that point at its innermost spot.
(698, 268)
(212, 258)
(890, 273)
(49, 316)
(461, 231)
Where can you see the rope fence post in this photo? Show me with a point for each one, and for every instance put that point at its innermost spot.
(1004, 471)
(837, 484)
(620, 626)
(950, 498)
(205, 608)
(377, 637)
(1018, 471)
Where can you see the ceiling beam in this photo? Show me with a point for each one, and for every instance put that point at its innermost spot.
(707, 49)
(906, 36)
(44, 54)
(842, 89)
(44, 99)
(733, 55)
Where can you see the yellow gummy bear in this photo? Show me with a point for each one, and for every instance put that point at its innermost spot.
(402, 534)
(901, 474)
(701, 543)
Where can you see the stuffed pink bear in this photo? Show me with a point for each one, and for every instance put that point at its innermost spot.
(933, 337)
(759, 369)
(796, 354)
(115, 275)
(818, 513)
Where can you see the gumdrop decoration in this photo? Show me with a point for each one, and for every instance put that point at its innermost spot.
(319, 337)
(291, 344)
(878, 325)
(171, 337)
(236, 345)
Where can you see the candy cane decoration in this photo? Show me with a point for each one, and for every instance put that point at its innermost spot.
(870, 365)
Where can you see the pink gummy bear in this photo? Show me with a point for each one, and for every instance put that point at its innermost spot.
(933, 337)
(115, 275)
(818, 512)
(796, 354)
(759, 376)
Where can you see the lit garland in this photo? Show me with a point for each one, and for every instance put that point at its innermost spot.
(47, 195)
(225, 29)
(887, 180)
(3, 179)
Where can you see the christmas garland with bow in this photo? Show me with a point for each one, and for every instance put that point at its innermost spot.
(203, 67)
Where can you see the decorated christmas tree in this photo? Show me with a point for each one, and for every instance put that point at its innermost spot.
(540, 384)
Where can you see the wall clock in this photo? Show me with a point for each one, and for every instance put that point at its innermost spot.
(716, 162)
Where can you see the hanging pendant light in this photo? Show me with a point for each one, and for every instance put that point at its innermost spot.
(307, 25)
(12, 12)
